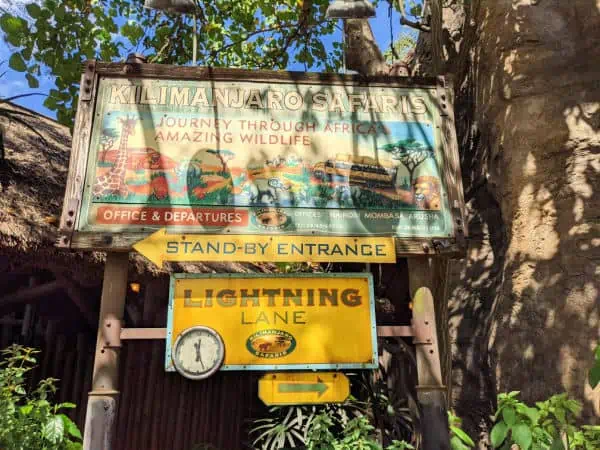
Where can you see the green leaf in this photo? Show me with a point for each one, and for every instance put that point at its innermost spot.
(457, 444)
(70, 426)
(54, 430)
(12, 25)
(521, 434)
(595, 375)
(73, 446)
(532, 413)
(33, 10)
(67, 405)
(17, 63)
(32, 81)
(51, 103)
(132, 31)
(509, 415)
(498, 434)
(26, 409)
(464, 437)
(557, 444)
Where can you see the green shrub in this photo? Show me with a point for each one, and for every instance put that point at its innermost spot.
(28, 420)
(327, 427)
(547, 426)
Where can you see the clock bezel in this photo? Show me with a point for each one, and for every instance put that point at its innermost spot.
(220, 358)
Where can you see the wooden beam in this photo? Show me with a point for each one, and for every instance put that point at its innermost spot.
(30, 294)
(430, 388)
(101, 414)
(82, 303)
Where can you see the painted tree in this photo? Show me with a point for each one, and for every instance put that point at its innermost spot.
(107, 140)
(411, 155)
(224, 156)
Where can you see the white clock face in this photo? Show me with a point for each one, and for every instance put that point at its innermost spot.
(198, 352)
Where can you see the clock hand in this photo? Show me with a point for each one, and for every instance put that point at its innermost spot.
(197, 346)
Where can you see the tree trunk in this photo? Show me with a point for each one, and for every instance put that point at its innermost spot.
(524, 304)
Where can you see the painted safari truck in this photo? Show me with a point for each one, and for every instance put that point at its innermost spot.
(379, 176)
(357, 170)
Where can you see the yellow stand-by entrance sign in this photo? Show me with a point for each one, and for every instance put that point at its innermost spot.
(304, 388)
(160, 247)
(278, 322)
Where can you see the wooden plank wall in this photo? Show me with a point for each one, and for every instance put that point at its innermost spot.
(158, 410)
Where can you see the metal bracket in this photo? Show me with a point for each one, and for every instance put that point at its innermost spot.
(67, 226)
(439, 245)
(115, 333)
(88, 81)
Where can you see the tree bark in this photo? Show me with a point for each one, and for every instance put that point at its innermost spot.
(362, 52)
(524, 303)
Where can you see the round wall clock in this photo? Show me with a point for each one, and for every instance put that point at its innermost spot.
(198, 352)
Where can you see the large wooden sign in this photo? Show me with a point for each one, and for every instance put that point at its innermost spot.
(261, 153)
(279, 322)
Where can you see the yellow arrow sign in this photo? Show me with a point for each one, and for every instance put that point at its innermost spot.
(303, 388)
(160, 247)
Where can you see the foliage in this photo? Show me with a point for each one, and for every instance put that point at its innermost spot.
(459, 440)
(323, 427)
(401, 48)
(386, 406)
(59, 35)
(595, 370)
(547, 426)
(29, 420)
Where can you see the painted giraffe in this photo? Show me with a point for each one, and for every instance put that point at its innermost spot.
(113, 183)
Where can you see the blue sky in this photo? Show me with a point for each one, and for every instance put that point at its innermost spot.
(14, 82)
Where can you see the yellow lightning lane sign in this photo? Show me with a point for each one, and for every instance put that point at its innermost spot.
(279, 321)
(303, 388)
(160, 247)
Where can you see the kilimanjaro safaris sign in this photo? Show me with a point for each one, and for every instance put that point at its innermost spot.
(279, 322)
(259, 153)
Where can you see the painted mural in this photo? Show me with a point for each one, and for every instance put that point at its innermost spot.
(257, 169)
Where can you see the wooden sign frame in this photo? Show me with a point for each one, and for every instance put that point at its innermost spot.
(71, 237)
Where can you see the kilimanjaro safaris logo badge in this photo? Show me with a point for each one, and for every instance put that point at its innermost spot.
(271, 219)
(271, 343)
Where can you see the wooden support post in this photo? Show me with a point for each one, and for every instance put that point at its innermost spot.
(430, 388)
(101, 414)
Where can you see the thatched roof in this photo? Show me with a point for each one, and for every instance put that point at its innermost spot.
(32, 181)
(32, 186)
